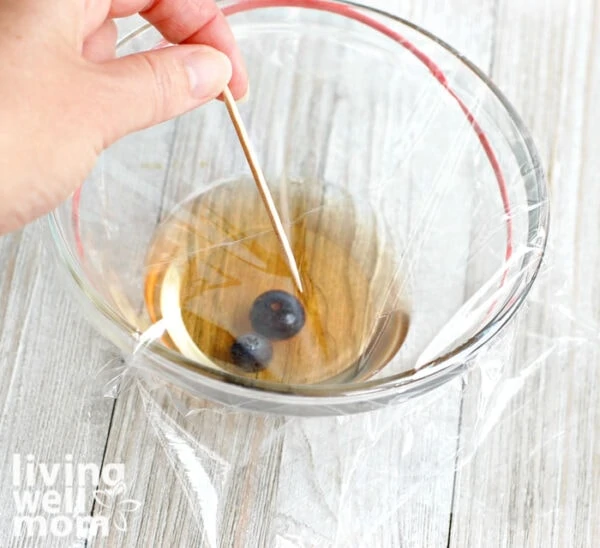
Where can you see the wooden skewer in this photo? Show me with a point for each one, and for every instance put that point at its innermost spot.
(262, 186)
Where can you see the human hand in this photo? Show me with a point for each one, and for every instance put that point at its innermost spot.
(64, 98)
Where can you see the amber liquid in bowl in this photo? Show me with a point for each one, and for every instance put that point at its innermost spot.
(221, 250)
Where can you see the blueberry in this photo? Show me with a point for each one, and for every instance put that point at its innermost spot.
(251, 352)
(277, 315)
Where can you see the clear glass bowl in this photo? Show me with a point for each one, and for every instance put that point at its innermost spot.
(351, 97)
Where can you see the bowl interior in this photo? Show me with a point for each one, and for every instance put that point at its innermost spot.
(422, 149)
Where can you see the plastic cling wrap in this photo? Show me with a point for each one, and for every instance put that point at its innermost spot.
(262, 479)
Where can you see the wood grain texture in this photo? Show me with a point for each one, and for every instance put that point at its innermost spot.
(48, 360)
(535, 479)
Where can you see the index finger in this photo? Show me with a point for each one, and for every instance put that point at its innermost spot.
(190, 22)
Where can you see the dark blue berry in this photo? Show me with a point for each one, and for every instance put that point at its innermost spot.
(277, 315)
(251, 352)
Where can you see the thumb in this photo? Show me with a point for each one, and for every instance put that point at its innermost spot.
(145, 89)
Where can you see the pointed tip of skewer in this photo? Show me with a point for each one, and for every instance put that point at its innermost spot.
(297, 278)
(291, 261)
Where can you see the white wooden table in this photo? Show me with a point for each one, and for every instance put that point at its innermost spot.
(533, 481)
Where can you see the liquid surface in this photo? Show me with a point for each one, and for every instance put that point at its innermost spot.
(216, 254)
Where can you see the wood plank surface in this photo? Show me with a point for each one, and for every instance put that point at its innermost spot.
(535, 478)
(49, 358)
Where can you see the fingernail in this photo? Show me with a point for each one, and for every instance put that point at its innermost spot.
(246, 96)
(209, 72)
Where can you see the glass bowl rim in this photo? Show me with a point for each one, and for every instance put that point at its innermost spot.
(439, 371)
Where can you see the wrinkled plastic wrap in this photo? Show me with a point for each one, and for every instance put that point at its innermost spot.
(441, 172)
(361, 479)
